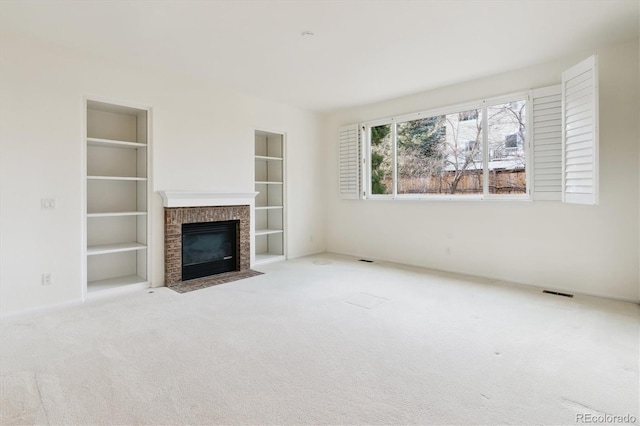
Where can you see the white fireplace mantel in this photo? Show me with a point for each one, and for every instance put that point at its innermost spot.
(206, 198)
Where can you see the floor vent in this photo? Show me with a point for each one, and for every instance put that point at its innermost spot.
(557, 293)
(365, 260)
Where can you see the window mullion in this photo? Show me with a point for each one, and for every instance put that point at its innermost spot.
(394, 141)
(485, 150)
(528, 145)
(368, 160)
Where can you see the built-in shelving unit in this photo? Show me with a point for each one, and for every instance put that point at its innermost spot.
(117, 230)
(270, 241)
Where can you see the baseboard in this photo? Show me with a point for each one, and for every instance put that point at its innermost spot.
(41, 309)
(91, 296)
(502, 280)
(312, 253)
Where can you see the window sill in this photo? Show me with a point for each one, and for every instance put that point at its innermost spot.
(449, 198)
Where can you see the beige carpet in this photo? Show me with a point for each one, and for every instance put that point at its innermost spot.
(325, 340)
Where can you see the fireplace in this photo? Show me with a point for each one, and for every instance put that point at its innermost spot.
(204, 208)
(209, 248)
(200, 219)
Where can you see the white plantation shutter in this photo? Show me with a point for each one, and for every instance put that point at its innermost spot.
(546, 126)
(580, 135)
(349, 164)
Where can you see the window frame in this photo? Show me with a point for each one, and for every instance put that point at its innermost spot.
(445, 110)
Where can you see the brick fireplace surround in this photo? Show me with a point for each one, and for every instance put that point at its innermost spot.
(174, 218)
(194, 207)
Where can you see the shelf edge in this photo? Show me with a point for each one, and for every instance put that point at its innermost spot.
(115, 143)
(114, 214)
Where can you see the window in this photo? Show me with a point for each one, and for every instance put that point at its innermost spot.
(512, 141)
(382, 165)
(483, 149)
(506, 136)
(443, 154)
(420, 154)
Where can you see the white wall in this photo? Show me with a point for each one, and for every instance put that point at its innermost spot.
(584, 249)
(202, 139)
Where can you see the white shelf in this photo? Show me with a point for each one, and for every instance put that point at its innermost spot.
(114, 248)
(114, 143)
(268, 183)
(114, 214)
(117, 282)
(268, 231)
(265, 158)
(126, 178)
(269, 207)
(268, 257)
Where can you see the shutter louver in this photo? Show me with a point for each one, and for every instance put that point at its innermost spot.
(580, 132)
(349, 164)
(547, 143)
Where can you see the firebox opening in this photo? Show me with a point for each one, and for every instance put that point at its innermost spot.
(209, 248)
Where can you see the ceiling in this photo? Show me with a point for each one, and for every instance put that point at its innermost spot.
(362, 51)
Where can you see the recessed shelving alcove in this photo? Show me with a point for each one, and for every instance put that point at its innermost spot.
(117, 185)
(270, 230)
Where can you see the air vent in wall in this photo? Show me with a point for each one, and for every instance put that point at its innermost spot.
(557, 293)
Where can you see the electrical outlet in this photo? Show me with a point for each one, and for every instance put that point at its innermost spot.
(48, 203)
(46, 279)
